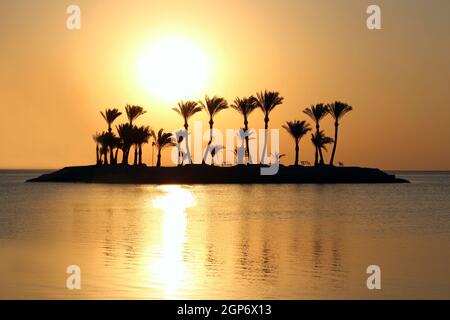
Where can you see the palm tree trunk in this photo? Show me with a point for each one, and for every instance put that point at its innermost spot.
(111, 155)
(158, 161)
(126, 152)
(321, 157)
(105, 156)
(186, 127)
(247, 144)
(266, 137)
(115, 156)
(97, 155)
(135, 155)
(336, 126)
(316, 155)
(297, 148)
(140, 154)
(211, 125)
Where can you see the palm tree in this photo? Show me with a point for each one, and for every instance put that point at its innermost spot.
(105, 140)
(142, 135)
(297, 129)
(337, 110)
(110, 115)
(186, 110)
(162, 140)
(97, 149)
(245, 106)
(267, 101)
(126, 133)
(320, 140)
(134, 112)
(316, 113)
(213, 106)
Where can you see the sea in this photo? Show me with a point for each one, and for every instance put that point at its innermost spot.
(315, 241)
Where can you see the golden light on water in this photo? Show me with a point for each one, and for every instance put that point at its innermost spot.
(174, 68)
(170, 267)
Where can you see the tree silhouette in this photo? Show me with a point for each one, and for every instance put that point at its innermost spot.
(320, 140)
(106, 141)
(316, 113)
(213, 106)
(267, 101)
(245, 106)
(297, 129)
(162, 140)
(110, 115)
(141, 135)
(134, 112)
(337, 110)
(126, 133)
(186, 110)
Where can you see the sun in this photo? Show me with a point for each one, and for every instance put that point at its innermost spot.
(173, 69)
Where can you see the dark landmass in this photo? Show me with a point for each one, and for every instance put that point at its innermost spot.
(204, 174)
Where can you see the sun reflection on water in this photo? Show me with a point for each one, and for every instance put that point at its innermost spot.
(170, 267)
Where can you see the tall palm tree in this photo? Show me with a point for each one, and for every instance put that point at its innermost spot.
(297, 129)
(134, 112)
(110, 115)
(316, 113)
(126, 133)
(320, 140)
(245, 106)
(186, 110)
(142, 135)
(267, 101)
(162, 140)
(213, 106)
(105, 140)
(97, 148)
(337, 110)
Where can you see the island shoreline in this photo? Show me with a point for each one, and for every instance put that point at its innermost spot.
(205, 174)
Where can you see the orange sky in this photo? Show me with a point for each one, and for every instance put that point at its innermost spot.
(53, 81)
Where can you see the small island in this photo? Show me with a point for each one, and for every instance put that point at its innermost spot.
(204, 174)
(248, 166)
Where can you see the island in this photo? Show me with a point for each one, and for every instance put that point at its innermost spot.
(206, 174)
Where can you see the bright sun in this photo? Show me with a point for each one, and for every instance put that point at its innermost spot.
(174, 69)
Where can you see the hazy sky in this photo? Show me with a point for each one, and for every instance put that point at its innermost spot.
(54, 82)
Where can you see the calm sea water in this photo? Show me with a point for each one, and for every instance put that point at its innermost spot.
(222, 241)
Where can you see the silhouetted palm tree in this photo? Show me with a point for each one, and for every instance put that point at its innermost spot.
(134, 112)
(142, 135)
(245, 106)
(106, 141)
(97, 148)
(186, 110)
(110, 115)
(337, 110)
(316, 113)
(126, 133)
(162, 140)
(267, 101)
(320, 140)
(213, 106)
(297, 129)
(117, 144)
